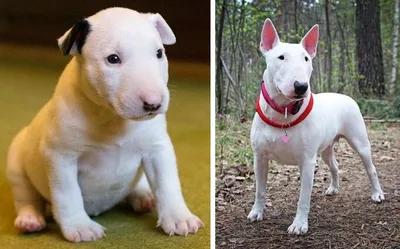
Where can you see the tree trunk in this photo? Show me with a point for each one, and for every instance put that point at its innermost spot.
(393, 82)
(281, 18)
(369, 49)
(219, 81)
(328, 70)
(295, 17)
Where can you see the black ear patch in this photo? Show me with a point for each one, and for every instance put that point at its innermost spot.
(77, 35)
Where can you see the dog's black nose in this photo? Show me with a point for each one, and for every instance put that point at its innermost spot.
(150, 108)
(300, 88)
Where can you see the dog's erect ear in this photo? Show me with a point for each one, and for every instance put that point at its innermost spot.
(166, 34)
(269, 36)
(310, 41)
(74, 39)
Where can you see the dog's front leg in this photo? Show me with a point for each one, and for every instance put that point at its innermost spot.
(300, 223)
(162, 173)
(67, 202)
(261, 165)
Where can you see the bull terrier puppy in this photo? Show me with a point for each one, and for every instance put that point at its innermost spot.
(86, 149)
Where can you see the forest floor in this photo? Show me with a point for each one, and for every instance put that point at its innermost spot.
(347, 220)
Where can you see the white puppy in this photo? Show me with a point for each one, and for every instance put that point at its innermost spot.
(321, 120)
(83, 150)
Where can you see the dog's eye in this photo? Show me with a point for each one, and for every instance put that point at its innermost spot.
(281, 57)
(159, 53)
(306, 58)
(113, 59)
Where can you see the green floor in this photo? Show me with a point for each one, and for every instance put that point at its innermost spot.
(26, 84)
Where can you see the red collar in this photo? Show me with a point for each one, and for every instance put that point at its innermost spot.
(284, 125)
(293, 108)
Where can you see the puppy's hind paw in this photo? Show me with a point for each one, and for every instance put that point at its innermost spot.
(378, 197)
(29, 223)
(255, 215)
(143, 203)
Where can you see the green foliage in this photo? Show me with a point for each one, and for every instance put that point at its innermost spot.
(240, 50)
(380, 109)
(232, 142)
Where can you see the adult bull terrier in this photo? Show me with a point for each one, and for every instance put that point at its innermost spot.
(84, 150)
(292, 126)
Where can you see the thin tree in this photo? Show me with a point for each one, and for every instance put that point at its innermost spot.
(219, 81)
(369, 49)
(392, 89)
(329, 43)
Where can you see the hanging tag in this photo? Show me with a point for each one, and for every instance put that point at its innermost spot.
(285, 138)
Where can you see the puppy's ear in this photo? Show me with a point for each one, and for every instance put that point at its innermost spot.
(269, 36)
(74, 39)
(310, 41)
(166, 34)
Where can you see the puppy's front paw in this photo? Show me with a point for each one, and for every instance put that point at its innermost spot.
(378, 196)
(175, 223)
(86, 230)
(30, 222)
(256, 214)
(298, 227)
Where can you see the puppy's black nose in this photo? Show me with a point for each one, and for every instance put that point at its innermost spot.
(150, 108)
(300, 88)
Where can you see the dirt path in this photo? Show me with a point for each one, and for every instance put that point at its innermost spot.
(347, 220)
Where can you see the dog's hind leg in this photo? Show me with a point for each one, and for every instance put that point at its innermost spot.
(328, 157)
(141, 196)
(261, 165)
(358, 140)
(28, 202)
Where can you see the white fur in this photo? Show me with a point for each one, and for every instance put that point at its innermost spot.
(333, 116)
(83, 150)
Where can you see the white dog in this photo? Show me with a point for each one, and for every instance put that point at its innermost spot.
(292, 125)
(83, 150)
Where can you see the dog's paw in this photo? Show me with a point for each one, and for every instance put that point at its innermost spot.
(144, 202)
(255, 215)
(332, 190)
(378, 197)
(30, 222)
(87, 230)
(298, 227)
(180, 223)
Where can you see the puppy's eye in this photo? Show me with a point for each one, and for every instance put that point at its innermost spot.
(159, 53)
(113, 59)
(281, 57)
(306, 58)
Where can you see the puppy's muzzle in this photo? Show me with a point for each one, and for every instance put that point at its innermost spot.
(151, 102)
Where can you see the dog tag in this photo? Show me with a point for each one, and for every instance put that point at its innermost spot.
(285, 138)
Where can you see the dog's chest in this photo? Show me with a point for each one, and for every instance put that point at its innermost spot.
(108, 170)
(278, 145)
